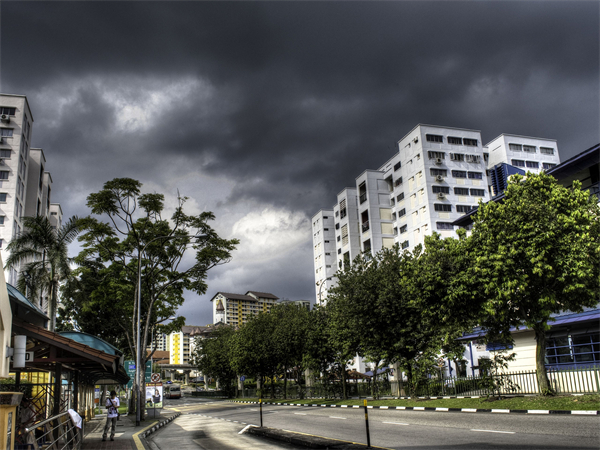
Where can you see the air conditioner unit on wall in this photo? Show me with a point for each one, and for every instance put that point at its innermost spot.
(441, 195)
(439, 178)
(438, 160)
(5, 118)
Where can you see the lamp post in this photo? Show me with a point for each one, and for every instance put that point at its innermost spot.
(138, 358)
(320, 284)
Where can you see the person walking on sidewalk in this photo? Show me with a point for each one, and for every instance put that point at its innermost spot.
(112, 409)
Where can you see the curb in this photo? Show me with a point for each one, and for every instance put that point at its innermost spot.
(429, 408)
(159, 425)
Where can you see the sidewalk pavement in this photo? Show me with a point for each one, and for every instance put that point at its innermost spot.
(127, 435)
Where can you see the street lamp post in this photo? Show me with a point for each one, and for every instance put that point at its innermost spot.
(138, 359)
(320, 284)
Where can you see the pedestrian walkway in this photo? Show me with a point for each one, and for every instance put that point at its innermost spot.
(126, 436)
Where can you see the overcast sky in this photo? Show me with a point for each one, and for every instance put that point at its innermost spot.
(263, 111)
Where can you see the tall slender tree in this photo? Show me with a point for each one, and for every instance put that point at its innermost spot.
(41, 253)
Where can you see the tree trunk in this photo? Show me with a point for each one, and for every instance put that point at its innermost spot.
(344, 390)
(540, 366)
(284, 382)
(272, 386)
(52, 305)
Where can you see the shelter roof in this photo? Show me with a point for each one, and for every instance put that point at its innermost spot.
(92, 341)
(16, 295)
(52, 348)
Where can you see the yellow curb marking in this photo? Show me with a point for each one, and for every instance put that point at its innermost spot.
(136, 437)
(339, 440)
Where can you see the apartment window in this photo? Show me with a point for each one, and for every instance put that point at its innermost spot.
(1, 242)
(403, 229)
(470, 142)
(529, 148)
(398, 182)
(444, 226)
(478, 192)
(464, 208)
(337, 214)
(397, 165)
(327, 242)
(338, 239)
(546, 150)
(486, 157)
(457, 157)
(362, 190)
(325, 217)
(339, 249)
(473, 159)
(454, 140)
(7, 110)
(436, 172)
(400, 197)
(327, 254)
(440, 207)
(517, 163)
(475, 175)
(344, 235)
(442, 189)
(461, 191)
(6, 132)
(5, 153)
(1, 220)
(343, 209)
(405, 244)
(402, 212)
(459, 173)
(436, 155)
(4, 174)
(515, 147)
(337, 226)
(3, 197)
(532, 164)
(548, 165)
(434, 138)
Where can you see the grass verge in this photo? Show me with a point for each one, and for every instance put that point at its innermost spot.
(561, 402)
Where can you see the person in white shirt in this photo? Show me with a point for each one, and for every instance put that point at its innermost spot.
(112, 408)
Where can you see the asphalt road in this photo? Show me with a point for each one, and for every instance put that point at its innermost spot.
(409, 429)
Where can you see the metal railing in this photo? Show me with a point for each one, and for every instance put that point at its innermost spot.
(57, 433)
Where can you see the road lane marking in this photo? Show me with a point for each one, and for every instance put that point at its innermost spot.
(396, 423)
(300, 414)
(494, 431)
(336, 417)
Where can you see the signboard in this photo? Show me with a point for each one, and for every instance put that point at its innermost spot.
(243, 378)
(155, 378)
(154, 395)
(28, 357)
(130, 369)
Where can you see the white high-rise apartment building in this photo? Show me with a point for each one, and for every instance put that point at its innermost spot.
(25, 186)
(438, 175)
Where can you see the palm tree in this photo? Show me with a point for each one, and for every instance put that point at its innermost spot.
(41, 252)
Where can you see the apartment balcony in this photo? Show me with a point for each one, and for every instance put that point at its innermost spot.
(365, 226)
(363, 197)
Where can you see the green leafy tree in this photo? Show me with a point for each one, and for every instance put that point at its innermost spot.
(135, 234)
(254, 350)
(291, 327)
(41, 253)
(212, 356)
(535, 254)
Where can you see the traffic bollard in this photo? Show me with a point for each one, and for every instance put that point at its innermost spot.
(260, 403)
(367, 424)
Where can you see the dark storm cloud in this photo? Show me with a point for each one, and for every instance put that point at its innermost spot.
(317, 90)
(288, 101)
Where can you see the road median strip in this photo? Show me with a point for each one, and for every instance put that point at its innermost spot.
(437, 409)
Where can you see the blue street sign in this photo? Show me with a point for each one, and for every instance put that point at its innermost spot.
(243, 378)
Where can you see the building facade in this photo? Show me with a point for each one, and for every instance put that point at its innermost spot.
(437, 175)
(236, 309)
(25, 185)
